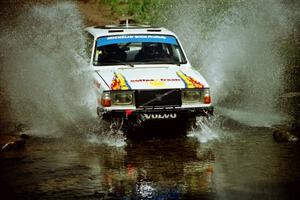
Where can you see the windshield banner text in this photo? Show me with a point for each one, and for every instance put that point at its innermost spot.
(136, 39)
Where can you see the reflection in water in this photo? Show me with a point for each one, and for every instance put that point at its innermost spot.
(174, 165)
(246, 165)
(150, 169)
(159, 169)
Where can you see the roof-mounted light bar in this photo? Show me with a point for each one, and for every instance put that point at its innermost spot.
(115, 31)
(154, 30)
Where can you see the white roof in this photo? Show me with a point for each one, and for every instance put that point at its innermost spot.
(98, 31)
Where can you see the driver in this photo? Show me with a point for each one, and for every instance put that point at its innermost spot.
(111, 53)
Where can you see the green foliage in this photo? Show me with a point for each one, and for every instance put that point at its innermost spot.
(142, 11)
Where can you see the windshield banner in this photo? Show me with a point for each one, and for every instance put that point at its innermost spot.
(135, 38)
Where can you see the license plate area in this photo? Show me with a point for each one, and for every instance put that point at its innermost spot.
(159, 116)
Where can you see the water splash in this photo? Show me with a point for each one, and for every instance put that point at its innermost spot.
(206, 129)
(111, 138)
(107, 134)
(237, 46)
(253, 119)
(46, 74)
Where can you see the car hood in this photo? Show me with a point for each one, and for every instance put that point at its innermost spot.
(151, 77)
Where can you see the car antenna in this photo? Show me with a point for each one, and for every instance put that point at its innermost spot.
(127, 24)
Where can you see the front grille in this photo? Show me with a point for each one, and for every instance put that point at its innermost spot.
(158, 98)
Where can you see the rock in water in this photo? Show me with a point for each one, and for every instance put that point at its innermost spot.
(280, 135)
(13, 145)
(24, 136)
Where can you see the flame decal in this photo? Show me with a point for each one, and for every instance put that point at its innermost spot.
(119, 83)
(189, 81)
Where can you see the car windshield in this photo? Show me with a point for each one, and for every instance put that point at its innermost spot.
(138, 49)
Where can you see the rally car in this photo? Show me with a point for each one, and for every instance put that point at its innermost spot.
(142, 72)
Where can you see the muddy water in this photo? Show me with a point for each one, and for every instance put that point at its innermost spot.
(241, 164)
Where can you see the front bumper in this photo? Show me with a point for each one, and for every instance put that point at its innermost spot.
(133, 114)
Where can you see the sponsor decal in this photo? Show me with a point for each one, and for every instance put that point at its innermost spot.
(160, 116)
(157, 83)
(119, 83)
(189, 81)
(102, 41)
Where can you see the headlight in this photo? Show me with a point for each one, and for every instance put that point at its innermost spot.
(122, 98)
(196, 96)
(191, 96)
(117, 98)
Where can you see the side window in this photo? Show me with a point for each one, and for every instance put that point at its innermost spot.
(89, 45)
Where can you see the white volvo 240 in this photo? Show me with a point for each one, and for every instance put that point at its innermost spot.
(142, 72)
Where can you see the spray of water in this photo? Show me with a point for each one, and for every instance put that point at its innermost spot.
(205, 129)
(42, 67)
(237, 46)
(46, 73)
(112, 135)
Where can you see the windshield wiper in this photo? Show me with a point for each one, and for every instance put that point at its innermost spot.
(126, 64)
(161, 61)
(117, 62)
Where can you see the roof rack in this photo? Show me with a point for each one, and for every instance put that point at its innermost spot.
(124, 26)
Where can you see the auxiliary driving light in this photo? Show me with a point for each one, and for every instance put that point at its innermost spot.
(196, 96)
(122, 98)
(191, 96)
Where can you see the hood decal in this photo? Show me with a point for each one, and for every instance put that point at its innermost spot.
(157, 83)
(119, 82)
(142, 78)
(189, 81)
